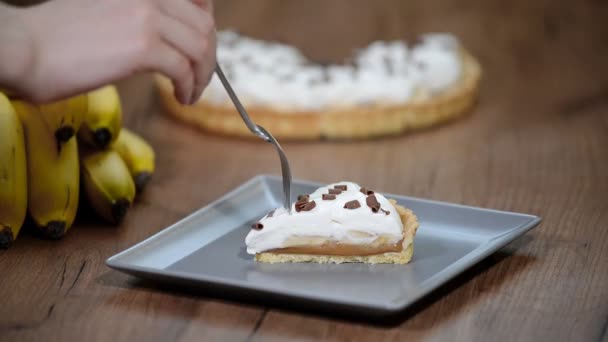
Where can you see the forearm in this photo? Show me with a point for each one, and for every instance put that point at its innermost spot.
(15, 50)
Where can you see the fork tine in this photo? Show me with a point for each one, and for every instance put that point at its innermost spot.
(285, 170)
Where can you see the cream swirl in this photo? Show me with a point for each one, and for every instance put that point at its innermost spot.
(328, 221)
(278, 76)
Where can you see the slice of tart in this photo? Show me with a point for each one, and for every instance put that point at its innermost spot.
(338, 223)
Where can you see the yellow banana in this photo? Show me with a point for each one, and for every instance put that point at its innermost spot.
(64, 117)
(108, 184)
(52, 174)
(103, 120)
(13, 173)
(137, 154)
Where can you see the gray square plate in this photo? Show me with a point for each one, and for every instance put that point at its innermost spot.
(207, 250)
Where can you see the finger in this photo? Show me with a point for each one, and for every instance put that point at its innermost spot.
(210, 61)
(168, 61)
(206, 5)
(205, 69)
(193, 15)
(201, 49)
(187, 41)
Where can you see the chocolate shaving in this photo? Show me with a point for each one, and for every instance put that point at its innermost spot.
(334, 191)
(349, 61)
(322, 63)
(354, 204)
(271, 213)
(300, 205)
(366, 192)
(341, 187)
(328, 197)
(313, 82)
(326, 77)
(372, 202)
(229, 71)
(303, 198)
(309, 206)
(385, 211)
(231, 42)
(388, 64)
(257, 226)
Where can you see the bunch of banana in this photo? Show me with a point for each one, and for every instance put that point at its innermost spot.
(115, 162)
(109, 186)
(103, 120)
(13, 174)
(138, 155)
(47, 151)
(64, 118)
(52, 173)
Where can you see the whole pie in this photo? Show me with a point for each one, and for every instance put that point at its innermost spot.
(338, 223)
(386, 88)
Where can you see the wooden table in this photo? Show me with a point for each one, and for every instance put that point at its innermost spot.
(536, 143)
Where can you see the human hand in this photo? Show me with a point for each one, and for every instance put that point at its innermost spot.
(65, 47)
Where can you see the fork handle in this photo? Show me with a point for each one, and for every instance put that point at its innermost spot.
(239, 107)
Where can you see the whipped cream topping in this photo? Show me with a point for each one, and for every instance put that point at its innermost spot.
(439, 67)
(328, 221)
(278, 76)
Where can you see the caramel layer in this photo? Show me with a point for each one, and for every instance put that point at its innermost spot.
(338, 249)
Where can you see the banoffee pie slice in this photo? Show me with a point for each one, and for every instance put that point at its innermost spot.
(338, 223)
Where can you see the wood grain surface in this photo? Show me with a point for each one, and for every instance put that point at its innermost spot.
(537, 143)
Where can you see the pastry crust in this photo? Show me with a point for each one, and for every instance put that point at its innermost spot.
(347, 123)
(410, 226)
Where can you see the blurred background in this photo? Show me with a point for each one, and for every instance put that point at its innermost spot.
(520, 34)
(555, 48)
(536, 142)
(544, 85)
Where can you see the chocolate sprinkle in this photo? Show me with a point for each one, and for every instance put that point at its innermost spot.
(309, 206)
(334, 191)
(388, 64)
(313, 82)
(372, 202)
(354, 204)
(366, 192)
(385, 211)
(303, 198)
(329, 197)
(271, 213)
(341, 187)
(326, 77)
(300, 205)
(257, 226)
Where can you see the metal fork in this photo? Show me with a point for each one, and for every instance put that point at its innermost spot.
(262, 133)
